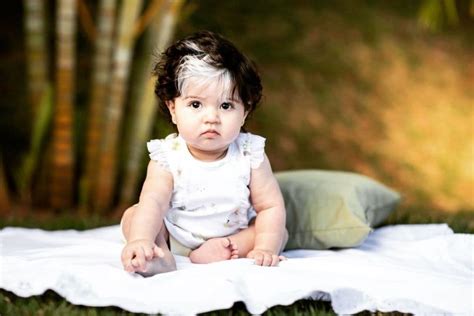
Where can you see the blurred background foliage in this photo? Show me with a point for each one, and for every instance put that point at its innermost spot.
(382, 88)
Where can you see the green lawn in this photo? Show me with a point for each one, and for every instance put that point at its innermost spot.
(52, 304)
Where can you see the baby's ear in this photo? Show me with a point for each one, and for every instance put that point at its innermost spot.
(170, 105)
(245, 117)
(171, 108)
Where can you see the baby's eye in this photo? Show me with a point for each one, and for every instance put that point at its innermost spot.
(227, 106)
(195, 104)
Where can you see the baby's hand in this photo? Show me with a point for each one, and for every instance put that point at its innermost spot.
(136, 253)
(265, 257)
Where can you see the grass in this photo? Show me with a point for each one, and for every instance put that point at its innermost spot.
(52, 304)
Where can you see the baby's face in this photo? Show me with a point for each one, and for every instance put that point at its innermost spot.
(208, 118)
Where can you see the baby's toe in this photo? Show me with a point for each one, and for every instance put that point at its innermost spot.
(226, 242)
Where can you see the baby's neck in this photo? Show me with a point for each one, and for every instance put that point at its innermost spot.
(207, 156)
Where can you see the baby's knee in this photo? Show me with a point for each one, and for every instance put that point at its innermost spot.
(126, 219)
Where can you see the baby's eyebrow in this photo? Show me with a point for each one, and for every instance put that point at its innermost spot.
(233, 99)
(193, 97)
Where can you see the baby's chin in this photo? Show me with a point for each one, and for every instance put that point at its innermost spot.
(212, 141)
(208, 150)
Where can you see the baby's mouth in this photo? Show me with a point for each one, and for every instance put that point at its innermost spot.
(210, 133)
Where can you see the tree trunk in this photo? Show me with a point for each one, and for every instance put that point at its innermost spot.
(63, 159)
(157, 37)
(106, 169)
(99, 96)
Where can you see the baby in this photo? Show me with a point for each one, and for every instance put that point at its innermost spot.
(209, 192)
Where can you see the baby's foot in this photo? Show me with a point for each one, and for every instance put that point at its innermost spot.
(159, 264)
(215, 249)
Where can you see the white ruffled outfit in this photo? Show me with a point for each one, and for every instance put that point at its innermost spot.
(210, 199)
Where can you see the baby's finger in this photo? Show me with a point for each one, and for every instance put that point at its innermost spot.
(282, 258)
(134, 264)
(139, 259)
(258, 259)
(126, 262)
(158, 252)
(267, 260)
(234, 254)
(128, 267)
(148, 252)
(275, 260)
(126, 257)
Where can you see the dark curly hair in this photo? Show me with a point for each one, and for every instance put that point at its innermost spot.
(217, 52)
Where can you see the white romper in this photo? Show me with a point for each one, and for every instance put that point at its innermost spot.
(210, 199)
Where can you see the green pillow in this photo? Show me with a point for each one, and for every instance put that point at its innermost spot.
(327, 209)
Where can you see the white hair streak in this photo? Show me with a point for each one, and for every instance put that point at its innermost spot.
(193, 46)
(198, 68)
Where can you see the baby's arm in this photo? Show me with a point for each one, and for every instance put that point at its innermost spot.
(147, 220)
(271, 216)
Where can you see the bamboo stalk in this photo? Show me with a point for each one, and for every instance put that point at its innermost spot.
(144, 110)
(107, 164)
(99, 96)
(36, 50)
(62, 172)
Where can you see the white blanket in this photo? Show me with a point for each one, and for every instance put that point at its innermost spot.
(420, 269)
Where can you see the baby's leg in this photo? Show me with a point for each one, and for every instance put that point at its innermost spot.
(157, 264)
(232, 247)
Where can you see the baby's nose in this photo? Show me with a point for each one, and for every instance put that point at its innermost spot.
(211, 115)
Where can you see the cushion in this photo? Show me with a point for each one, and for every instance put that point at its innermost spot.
(327, 209)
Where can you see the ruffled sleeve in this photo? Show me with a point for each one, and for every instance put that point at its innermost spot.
(158, 152)
(253, 146)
